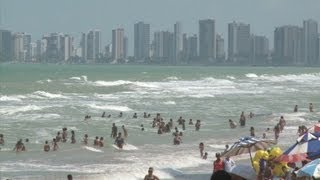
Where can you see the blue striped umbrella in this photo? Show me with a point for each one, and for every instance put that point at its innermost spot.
(247, 145)
(312, 169)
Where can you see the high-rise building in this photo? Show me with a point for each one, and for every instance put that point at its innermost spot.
(125, 47)
(118, 44)
(221, 55)
(259, 49)
(309, 42)
(318, 49)
(53, 53)
(93, 45)
(6, 46)
(190, 48)
(33, 51)
(163, 46)
(19, 51)
(67, 47)
(41, 49)
(58, 47)
(83, 45)
(177, 43)
(288, 45)
(238, 42)
(207, 39)
(141, 41)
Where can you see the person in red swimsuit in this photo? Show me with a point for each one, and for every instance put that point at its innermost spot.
(218, 164)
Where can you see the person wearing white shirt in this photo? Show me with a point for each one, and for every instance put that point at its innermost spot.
(228, 164)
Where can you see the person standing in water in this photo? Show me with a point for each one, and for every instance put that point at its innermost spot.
(1, 139)
(103, 114)
(310, 107)
(150, 175)
(73, 139)
(282, 123)
(64, 134)
(252, 132)
(125, 132)
(119, 141)
(101, 142)
(114, 131)
(55, 145)
(295, 108)
(46, 147)
(201, 148)
(232, 124)
(242, 119)
(120, 115)
(85, 139)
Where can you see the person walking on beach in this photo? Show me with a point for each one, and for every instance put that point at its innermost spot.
(218, 164)
(150, 175)
(46, 147)
(310, 107)
(114, 131)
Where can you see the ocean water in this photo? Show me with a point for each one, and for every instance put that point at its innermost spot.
(36, 101)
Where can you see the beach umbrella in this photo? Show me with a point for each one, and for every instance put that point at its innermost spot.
(247, 145)
(312, 169)
(306, 147)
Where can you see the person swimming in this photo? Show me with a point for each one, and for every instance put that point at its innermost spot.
(190, 122)
(135, 116)
(142, 128)
(120, 115)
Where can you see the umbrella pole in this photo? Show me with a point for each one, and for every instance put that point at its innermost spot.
(251, 158)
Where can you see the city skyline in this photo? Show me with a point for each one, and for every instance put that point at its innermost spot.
(42, 17)
(296, 45)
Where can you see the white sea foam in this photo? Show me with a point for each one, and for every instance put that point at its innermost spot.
(50, 95)
(111, 83)
(171, 78)
(110, 107)
(10, 98)
(49, 80)
(231, 77)
(9, 110)
(169, 102)
(85, 78)
(75, 78)
(251, 75)
(106, 96)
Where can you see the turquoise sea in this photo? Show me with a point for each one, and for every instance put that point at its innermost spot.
(37, 101)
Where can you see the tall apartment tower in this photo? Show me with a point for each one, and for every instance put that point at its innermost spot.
(309, 42)
(207, 39)
(93, 45)
(177, 50)
(83, 45)
(6, 44)
(220, 48)
(238, 42)
(288, 45)
(118, 44)
(141, 41)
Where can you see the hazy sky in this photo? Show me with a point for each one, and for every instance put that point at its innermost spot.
(38, 17)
